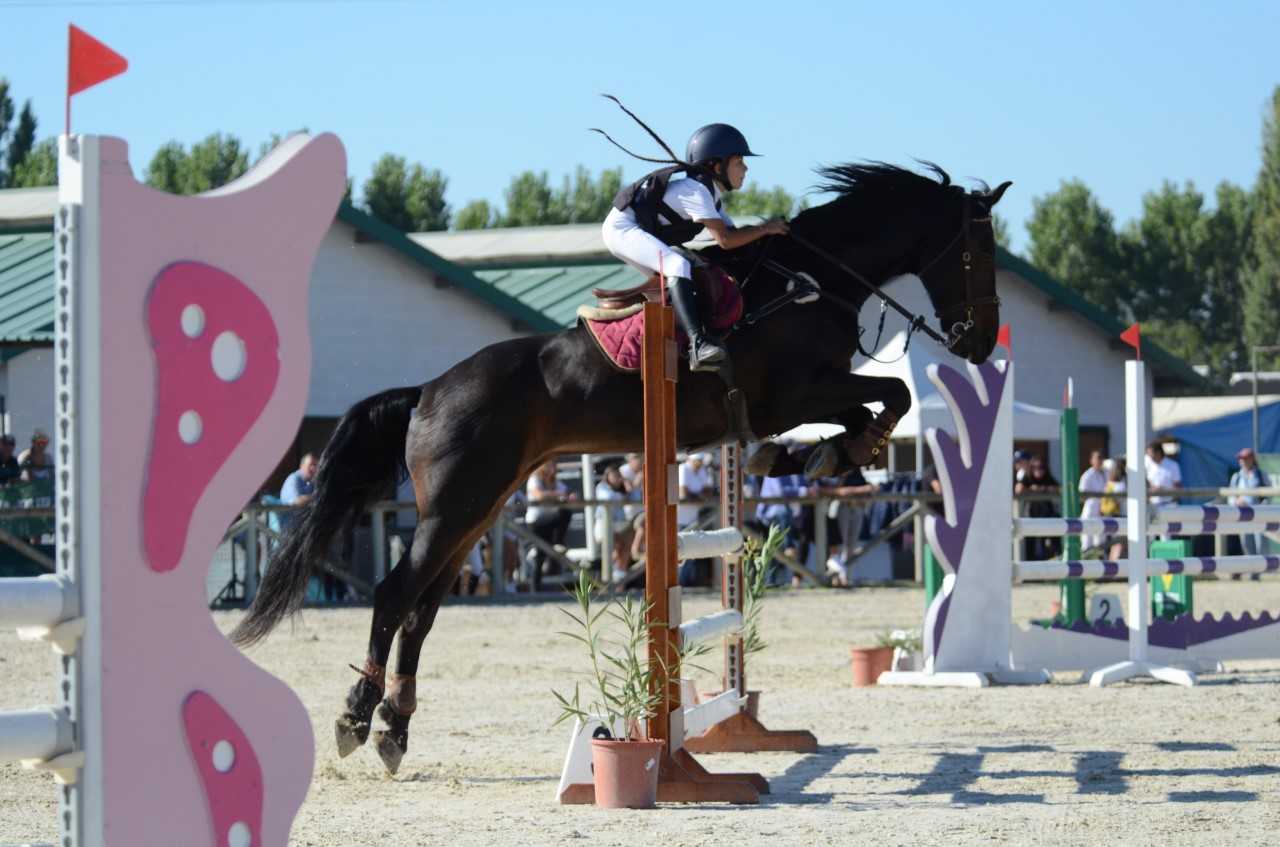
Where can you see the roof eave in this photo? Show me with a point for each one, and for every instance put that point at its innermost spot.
(1159, 357)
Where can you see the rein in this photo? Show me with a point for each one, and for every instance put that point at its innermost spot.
(916, 323)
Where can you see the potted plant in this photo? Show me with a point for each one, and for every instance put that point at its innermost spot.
(870, 662)
(622, 695)
(755, 566)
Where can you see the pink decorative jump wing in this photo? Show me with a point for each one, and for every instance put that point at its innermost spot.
(218, 359)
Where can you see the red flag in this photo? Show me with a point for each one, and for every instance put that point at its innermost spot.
(1133, 337)
(1003, 339)
(89, 62)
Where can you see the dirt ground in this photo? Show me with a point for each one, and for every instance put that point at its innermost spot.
(1139, 763)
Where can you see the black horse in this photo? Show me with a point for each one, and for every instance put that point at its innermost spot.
(469, 437)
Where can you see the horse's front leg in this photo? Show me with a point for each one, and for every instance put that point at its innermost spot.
(839, 399)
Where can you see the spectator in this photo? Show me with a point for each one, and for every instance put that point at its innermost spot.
(35, 461)
(632, 472)
(298, 489)
(1162, 472)
(545, 518)
(1038, 480)
(1021, 459)
(787, 516)
(1114, 506)
(613, 487)
(1249, 476)
(848, 517)
(930, 484)
(1092, 481)
(697, 486)
(9, 469)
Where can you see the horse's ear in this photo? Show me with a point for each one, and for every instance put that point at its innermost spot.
(994, 197)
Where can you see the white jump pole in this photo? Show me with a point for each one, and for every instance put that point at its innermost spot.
(1138, 664)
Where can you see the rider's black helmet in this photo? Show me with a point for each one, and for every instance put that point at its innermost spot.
(716, 141)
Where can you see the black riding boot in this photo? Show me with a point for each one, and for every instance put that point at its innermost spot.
(704, 353)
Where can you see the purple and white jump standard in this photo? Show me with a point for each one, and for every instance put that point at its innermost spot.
(969, 635)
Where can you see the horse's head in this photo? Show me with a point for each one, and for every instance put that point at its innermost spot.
(887, 221)
(958, 268)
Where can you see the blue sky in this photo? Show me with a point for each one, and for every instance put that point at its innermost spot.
(1121, 95)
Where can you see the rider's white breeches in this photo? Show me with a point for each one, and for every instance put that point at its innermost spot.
(626, 240)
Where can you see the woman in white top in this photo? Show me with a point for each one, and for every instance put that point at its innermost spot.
(545, 517)
(655, 213)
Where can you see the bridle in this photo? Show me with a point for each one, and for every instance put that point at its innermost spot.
(972, 257)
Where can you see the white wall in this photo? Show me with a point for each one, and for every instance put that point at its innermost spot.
(29, 394)
(378, 321)
(1048, 347)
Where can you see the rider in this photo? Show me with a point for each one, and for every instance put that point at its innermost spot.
(659, 211)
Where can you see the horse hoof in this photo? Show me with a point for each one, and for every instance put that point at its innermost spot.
(351, 730)
(391, 738)
(822, 461)
(763, 459)
(350, 733)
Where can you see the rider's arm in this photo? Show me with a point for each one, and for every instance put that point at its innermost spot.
(731, 238)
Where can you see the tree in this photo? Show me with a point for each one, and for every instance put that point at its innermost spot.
(475, 215)
(165, 170)
(532, 202)
(6, 118)
(21, 142)
(776, 202)
(1073, 238)
(1262, 280)
(212, 163)
(38, 168)
(590, 200)
(1166, 250)
(411, 199)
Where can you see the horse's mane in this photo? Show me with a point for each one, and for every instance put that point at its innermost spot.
(881, 181)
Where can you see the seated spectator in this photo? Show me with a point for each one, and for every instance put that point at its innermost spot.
(632, 472)
(298, 489)
(787, 516)
(697, 489)
(848, 517)
(9, 469)
(545, 518)
(35, 462)
(697, 486)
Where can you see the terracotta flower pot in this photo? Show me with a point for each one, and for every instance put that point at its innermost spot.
(625, 773)
(869, 663)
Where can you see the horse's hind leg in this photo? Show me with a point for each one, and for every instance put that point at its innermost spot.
(394, 600)
(391, 719)
(351, 730)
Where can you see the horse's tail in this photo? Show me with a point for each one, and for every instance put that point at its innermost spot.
(362, 462)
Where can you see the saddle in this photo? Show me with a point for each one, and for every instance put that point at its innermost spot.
(649, 291)
(718, 291)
